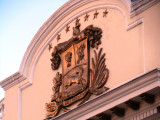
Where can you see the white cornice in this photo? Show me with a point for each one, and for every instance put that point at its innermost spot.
(1, 108)
(12, 80)
(139, 6)
(127, 4)
(1, 102)
(114, 97)
(144, 112)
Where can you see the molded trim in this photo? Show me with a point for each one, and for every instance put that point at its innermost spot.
(139, 6)
(113, 97)
(12, 80)
(2, 108)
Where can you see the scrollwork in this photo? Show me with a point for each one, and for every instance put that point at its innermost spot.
(56, 60)
(68, 58)
(94, 35)
(53, 106)
(80, 52)
(57, 82)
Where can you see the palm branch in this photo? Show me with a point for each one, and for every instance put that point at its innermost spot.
(98, 75)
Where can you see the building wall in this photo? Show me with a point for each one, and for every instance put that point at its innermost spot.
(129, 53)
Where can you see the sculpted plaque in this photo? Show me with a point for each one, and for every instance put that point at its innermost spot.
(77, 80)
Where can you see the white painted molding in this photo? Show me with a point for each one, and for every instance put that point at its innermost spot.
(139, 6)
(2, 109)
(128, 4)
(114, 97)
(146, 112)
(134, 24)
(12, 80)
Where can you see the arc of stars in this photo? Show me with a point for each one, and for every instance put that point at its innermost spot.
(105, 13)
(95, 15)
(77, 23)
(86, 17)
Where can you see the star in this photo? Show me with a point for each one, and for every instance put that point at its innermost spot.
(77, 21)
(105, 13)
(58, 37)
(95, 15)
(86, 17)
(50, 46)
(67, 28)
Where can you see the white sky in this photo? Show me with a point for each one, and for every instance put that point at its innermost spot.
(19, 22)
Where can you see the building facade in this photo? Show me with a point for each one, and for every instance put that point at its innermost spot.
(92, 59)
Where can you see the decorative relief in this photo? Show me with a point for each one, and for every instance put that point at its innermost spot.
(99, 73)
(95, 15)
(67, 29)
(58, 37)
(86, 18)
(75, 78)
(77, 81)
(105, 13)
(50, 46)
(68, 58)
(56, 60)
(80, 52)
(76, 29)
(94, 35)
(57, 82)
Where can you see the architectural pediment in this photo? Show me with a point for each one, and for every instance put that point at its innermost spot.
(92, 59)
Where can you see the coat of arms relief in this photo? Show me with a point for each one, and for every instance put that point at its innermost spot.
(78, 81)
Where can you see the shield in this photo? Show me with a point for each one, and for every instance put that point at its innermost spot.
(75, 64)
(77, 80)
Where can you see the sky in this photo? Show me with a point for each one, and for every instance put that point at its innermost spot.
(20, 20)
